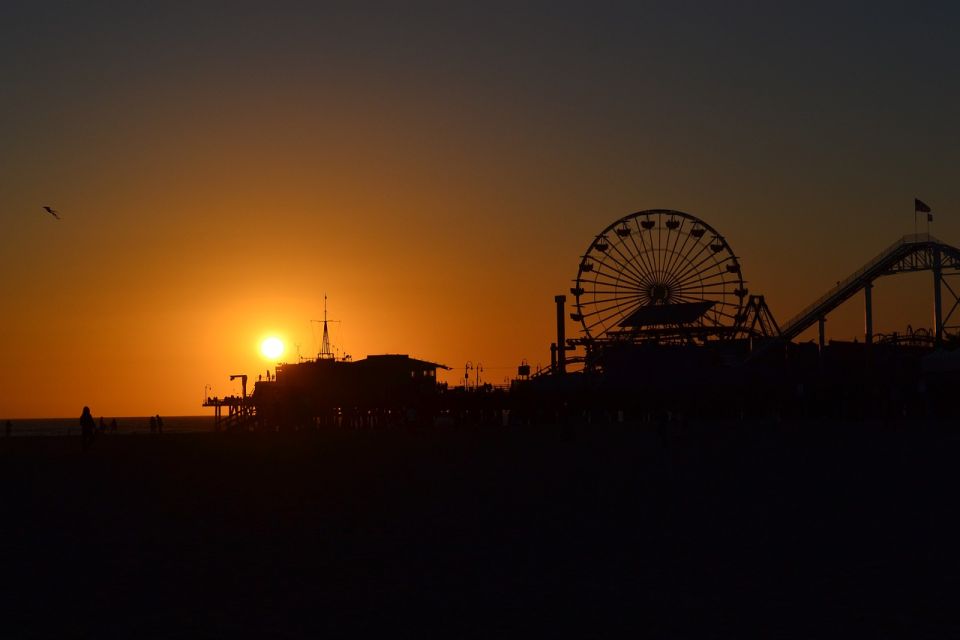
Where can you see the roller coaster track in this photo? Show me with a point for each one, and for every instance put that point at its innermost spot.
(915, 252)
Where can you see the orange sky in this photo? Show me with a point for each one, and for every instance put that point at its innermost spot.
(438, 178)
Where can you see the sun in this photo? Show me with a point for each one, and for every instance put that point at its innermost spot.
(271, 348)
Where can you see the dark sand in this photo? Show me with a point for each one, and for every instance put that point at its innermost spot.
(824, 531)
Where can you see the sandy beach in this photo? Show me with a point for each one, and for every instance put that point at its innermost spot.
(787, 531)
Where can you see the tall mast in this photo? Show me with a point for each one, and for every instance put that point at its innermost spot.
(325, 352)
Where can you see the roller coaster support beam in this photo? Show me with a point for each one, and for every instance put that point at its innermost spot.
(937, 297)
(868, 313)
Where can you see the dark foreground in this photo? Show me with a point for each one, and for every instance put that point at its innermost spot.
(791, 531)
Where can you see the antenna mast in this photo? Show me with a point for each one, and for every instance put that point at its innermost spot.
(325, 351)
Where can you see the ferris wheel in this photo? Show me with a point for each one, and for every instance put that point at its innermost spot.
(658, 274)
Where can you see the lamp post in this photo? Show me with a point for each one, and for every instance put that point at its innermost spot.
(466, 374)
(479, 371)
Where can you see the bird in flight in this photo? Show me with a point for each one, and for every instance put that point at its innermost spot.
(52, 212)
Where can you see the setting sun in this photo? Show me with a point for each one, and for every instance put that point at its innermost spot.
(271, 348)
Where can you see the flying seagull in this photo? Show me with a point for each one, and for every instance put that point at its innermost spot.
(52, 212)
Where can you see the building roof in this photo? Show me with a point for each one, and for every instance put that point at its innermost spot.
(679, 313)
(397, 357)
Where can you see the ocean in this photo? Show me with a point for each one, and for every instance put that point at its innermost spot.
(125, 425)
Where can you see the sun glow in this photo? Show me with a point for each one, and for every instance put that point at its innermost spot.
(271, 348)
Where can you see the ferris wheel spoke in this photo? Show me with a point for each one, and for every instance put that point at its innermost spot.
(598, 293)
(652, 242)
(618, 278)
(677, 252)
(704, 277)
(603, 306)
(639, 256)
(621, 266)
(669, 251)
(696, 270)
(626, 264)
(648, 243)
(661, 257)
(642, 253)
(613, 273)
(707, 279)
(670, 276)
(664, 248)
(693, 262)
(675, 258)
(703, 250)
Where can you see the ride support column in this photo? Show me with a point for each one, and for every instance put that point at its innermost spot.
(561, 335)
(937, 297)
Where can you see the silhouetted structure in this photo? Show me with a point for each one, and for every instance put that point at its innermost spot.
(668, 331)
(666, 328)
(381, 389)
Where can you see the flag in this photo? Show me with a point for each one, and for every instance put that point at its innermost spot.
(920, 206)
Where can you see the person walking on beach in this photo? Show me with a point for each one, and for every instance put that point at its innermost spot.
(87, 426)
(159, 424)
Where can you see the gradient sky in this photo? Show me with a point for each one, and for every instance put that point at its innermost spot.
(436, 169)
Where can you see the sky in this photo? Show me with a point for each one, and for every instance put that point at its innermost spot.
(436, 170)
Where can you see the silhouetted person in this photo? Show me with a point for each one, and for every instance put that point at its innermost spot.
(113, 426)
(87, 426)
(159, 424)
(153, 424)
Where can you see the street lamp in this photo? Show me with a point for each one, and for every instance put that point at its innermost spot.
(479, 371)
(466, 374)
